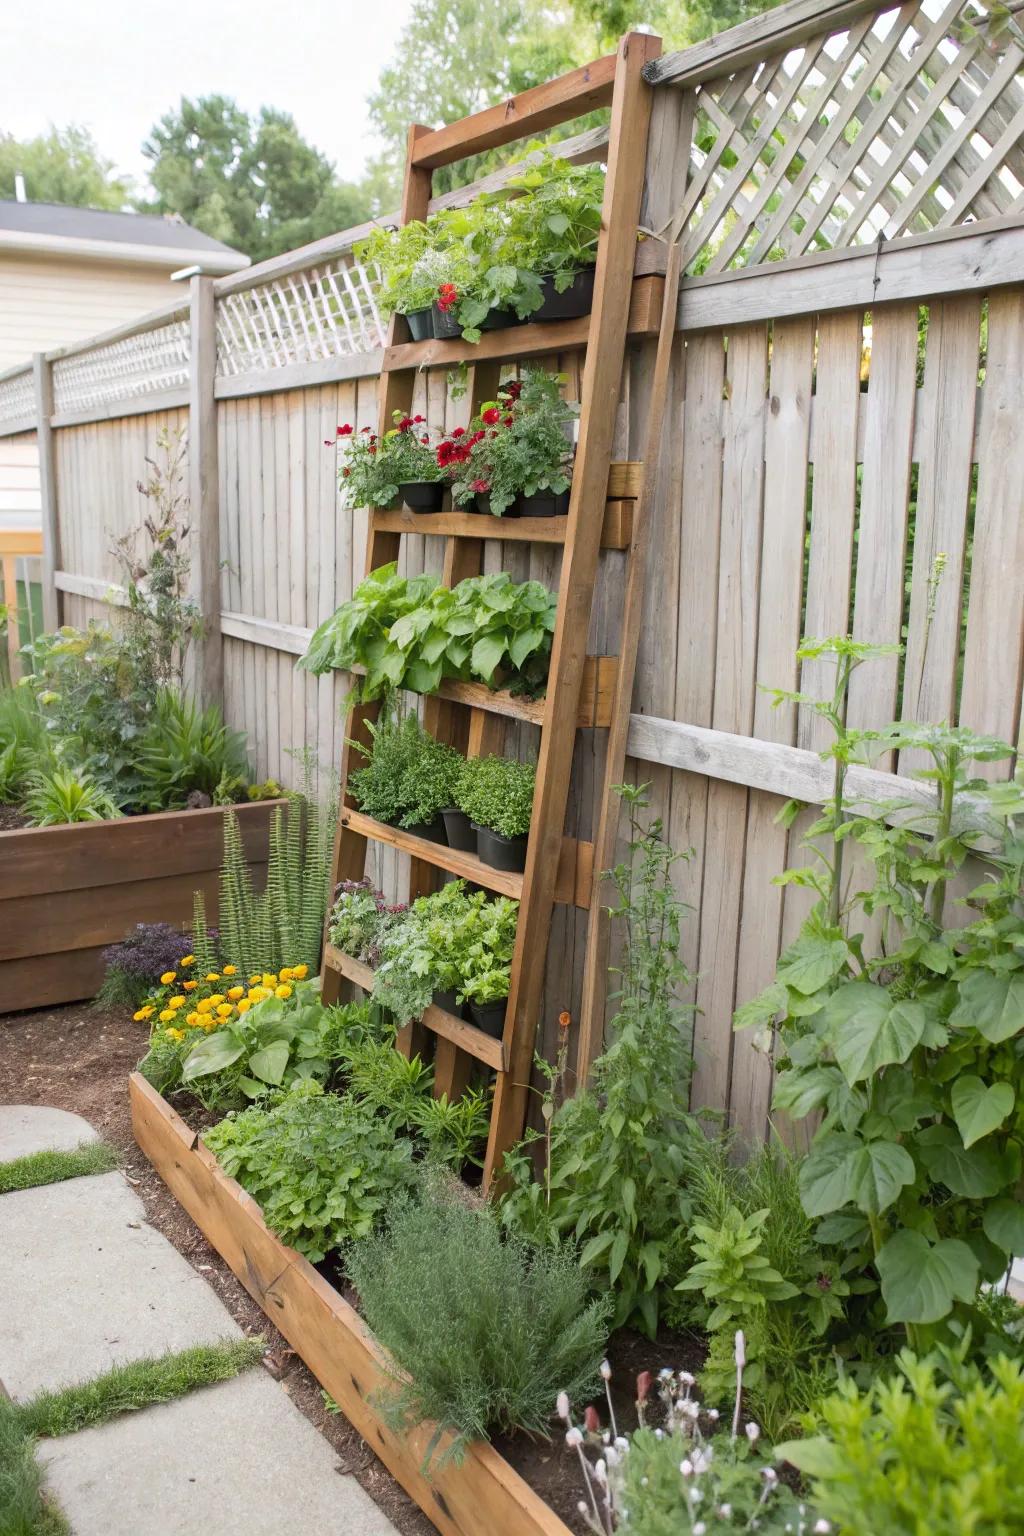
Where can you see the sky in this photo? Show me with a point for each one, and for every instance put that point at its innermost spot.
(116, 66)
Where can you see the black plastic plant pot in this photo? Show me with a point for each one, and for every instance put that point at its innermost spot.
(446, 1002)
(433, 831)
(490, 1017)
(446, 324)
(459, 829)
(578, 298)
(483, 506)
(422, 495)
(421, 324)
(543, 504)
(507, 853)
(499, 320)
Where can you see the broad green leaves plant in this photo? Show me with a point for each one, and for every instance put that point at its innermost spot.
(731, 1271)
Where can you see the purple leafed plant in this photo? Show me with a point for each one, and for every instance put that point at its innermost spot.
(138, 962)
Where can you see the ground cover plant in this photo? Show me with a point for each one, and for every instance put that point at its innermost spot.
(484, 1329)
(51, 1167)
(134, 966)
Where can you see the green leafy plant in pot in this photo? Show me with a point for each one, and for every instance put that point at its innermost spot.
(516, 459)
(496, 793)
(401, 466)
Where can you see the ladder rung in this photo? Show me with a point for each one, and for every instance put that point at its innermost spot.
(616, 533)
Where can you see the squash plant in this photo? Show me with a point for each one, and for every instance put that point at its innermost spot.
(914, 1057)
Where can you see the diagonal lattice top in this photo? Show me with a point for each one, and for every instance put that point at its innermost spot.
(302, 317)
(908, 121)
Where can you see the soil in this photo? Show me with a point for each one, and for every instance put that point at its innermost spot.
(78, 1058)
(12, 818)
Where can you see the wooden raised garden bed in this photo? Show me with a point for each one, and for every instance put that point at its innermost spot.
(481, 1494)
(67, 892)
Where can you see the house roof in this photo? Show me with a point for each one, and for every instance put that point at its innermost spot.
(99, 234)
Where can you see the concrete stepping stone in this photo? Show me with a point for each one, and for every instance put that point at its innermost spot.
(86, 1284)
(237, 1459)
(28, 1128)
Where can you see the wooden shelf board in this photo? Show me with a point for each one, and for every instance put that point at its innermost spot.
(526, 340)
(466, 1036)
(616, 532)
(595, 696)
(575, 864)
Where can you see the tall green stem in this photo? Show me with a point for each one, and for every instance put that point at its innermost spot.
(947, 796)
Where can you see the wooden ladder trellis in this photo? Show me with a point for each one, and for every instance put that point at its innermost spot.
(582, 691)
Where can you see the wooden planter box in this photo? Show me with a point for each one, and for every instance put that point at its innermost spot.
(68, 892)
(479, 1496)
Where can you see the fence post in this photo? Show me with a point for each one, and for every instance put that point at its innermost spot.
(204, 488)
(42, 373)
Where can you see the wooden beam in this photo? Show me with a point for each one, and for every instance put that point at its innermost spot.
(760, 37)
(114, 410)
(43, 376)
(519, 117)
(141, 326)
(93, 587)
(204, 485)
(602, 376)
(268, 381)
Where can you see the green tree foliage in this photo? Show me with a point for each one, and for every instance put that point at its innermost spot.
(678, 22)
(252, 182)
(62, 166)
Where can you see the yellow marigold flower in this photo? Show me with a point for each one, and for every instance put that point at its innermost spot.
(285, 973)
(269, 980)
(300, 972)
(213, 976)
(167, 978)
(143, 1013)
(283, 991)
(216, 997)
(176, 1034)
(225, 1010)
(175, 1002)
(189, 986)
(210, 1023)
(231, 970)
(193, 1018)
(254, 981)
(205, 1004)
(244, 1005)
(188, 960)
(234, 993)
(257, 994)
(166, 1015)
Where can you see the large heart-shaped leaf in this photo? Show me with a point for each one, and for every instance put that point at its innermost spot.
(991, 1004)
(213, 1054)
(269, 1064)
(843, 1170)
(921, 1280)
(976, 1173)
(1003, 1223)
(979, 1109)
(798, 1093)
(487, 654)
(869, 1031)
(811, 961)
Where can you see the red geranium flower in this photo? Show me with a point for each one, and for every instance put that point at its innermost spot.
(458, 431)
(507, 421)
(345, 431)
(447, 296)
(405, 423)
(490, 417)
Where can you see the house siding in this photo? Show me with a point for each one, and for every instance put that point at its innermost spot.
(47, 302)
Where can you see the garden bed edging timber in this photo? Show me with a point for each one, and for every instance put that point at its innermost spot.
(68, 892)
(482, 1493)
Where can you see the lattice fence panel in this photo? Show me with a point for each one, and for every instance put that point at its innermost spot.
(909, 121)
(17, 397)
(144, 364)
(301, 317)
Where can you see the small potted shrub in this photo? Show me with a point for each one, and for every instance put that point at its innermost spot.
(401, 466)
(428, 787)
(482, 943)
(517, 458)
(496, 793)
(413, 262)
(555, 224)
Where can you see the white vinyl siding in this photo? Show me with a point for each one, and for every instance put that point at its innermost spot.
(47, 302)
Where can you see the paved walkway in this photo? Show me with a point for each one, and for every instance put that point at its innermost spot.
(87, 1284)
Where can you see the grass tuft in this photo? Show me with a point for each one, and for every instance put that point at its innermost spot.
(23, 1509)
(127, 1388)
(52, 1167)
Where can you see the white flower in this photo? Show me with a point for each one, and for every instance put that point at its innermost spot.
(562, 1406)
(573, 1438)
(769, 1474)
(701, 1459)
(753, 1432)
(606, 1370)
(823, 1527)
(621, 1444)
(688, 1408)
(725, 1510)
(695, 1494)
(700, 1528)
(686, 1467)
(713, 1415)
(686, 1379)
(600, 1472)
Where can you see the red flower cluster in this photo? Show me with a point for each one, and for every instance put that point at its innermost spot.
(345, 431)
(481, 485)
(406, 423)
(447, 297)
(491, 417)
(513, 389)
(456, 448)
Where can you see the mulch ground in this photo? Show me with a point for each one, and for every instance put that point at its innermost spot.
(78, 1058)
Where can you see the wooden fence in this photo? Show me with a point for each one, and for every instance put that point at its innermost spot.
(847, 182)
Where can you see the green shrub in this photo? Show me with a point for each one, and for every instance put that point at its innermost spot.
(24, 745)
(409, 777)
(429, 782)
(488, 1330)
(320, 1168)
(358, 918)
(447, 941)
(55, 797)
(497, 792)
(186, 751)
(933, 1449)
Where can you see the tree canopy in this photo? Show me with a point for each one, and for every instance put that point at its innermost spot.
(253, 182)
(62, 166)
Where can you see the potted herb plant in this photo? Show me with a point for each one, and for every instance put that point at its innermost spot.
(496, 793)
(482, 944)
(412, 263)
(555, 223)
(428, 787)
(401, 466)
(517, 458)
